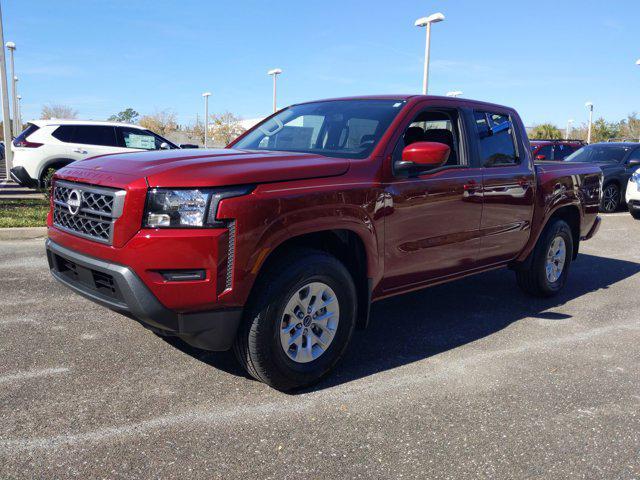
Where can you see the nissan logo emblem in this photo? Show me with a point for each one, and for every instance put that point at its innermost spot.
(74, 201)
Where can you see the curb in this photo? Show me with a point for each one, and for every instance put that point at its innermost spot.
(26, 233)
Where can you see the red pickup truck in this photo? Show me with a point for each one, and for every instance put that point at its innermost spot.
(277, 245)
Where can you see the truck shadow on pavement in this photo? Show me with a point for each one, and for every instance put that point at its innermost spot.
(418, 325)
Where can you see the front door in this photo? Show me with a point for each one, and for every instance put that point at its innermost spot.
(432, 228)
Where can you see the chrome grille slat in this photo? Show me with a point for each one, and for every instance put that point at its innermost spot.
(94, 218)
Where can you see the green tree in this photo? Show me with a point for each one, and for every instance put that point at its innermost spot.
(601, 130)
(545, 130)
(128, 115)
(630, 127)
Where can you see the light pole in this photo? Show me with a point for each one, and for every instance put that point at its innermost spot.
(12, 49)
(6, 128)
(569, 123)
(589, 106)
(454, 93)
(206, 96)
(426, 22)
(274, 73)
(19, 115)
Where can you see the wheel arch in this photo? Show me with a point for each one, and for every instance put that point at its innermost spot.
(348, 246)
(57, 163)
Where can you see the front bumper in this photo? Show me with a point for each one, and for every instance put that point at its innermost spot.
(22, 177)
(118, 288)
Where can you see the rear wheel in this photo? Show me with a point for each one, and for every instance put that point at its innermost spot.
(547, 270)
(610, 198)
(299, 324)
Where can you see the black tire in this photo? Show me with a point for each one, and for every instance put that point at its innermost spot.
(635, 214)
(257, 345)
(610, 198)
(532, 278)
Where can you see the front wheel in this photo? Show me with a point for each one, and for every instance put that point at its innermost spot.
(547, 270)
(299, 324)
(635, 214)
(610, 198)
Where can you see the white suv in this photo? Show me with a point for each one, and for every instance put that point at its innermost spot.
(47, 145)
(633, 194)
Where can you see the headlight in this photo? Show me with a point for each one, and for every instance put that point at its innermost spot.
(635, 177)
(168, 208)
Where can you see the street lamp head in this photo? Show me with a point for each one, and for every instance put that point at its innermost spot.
(275, 71)
(638, 62)
(10, 45)
(206, 94)
(589, 105)
(454, 93)
(19, 97)
(571, 120)
(433, 18)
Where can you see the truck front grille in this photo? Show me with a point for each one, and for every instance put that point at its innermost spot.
(87, 211)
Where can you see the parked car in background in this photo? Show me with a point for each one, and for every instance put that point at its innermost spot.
(633, 194)
(617, 161)
(48, 145)
(554, 149)
(277, 245)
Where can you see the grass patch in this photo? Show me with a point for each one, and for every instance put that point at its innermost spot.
(30, 212)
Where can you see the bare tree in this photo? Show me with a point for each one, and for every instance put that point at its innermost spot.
(54, 110)
(225, 127)
(196, 130)
(162, 122)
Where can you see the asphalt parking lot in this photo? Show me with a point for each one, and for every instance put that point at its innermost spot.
(466, 380)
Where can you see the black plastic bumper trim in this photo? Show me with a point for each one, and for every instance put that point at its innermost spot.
(20, 175)
(211, 330)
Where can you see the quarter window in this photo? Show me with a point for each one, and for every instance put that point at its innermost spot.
(495, 137)
(560, 151)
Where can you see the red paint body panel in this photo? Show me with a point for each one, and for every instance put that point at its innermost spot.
(416, 232)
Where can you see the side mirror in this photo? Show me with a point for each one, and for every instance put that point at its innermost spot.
(424, 154)
(634, 162)
(540, 157)
(165, 146)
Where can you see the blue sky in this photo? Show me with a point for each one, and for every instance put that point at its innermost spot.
(546, 58)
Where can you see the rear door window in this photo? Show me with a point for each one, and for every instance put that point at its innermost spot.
(495, 139)
(95, 135)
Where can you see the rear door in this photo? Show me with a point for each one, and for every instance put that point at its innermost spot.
(84, 141)
(508, 185)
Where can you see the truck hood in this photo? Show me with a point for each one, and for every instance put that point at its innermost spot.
(209, 168)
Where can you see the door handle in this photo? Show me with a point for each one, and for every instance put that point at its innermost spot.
(79, 150)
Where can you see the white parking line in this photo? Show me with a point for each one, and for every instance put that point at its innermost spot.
(11, 321)
(32, 374)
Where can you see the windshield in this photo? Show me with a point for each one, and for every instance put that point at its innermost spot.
(598, 154)
(339, 128)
